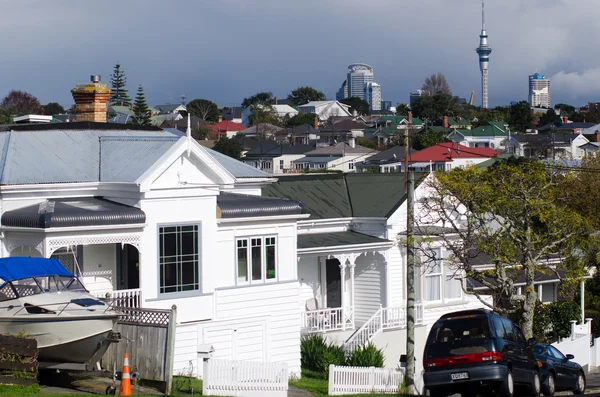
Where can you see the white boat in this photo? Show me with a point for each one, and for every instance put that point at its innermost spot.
(40, 298)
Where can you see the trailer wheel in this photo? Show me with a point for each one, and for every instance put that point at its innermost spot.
(111, 391)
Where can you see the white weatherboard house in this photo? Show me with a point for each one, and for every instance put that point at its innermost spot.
(148, 212)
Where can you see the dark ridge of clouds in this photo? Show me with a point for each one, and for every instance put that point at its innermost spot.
(228, 49)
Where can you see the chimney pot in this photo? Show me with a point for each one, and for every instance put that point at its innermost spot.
(95, 78)
(409, 117)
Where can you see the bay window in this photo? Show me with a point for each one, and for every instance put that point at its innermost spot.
(256, 259)
(440, 282)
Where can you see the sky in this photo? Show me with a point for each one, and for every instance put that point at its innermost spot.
(225, 50)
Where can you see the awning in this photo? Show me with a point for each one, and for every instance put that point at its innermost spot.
(18, 267)
(328, 240)
(73, 212)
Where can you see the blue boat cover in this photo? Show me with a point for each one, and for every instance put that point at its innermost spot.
(18, 267)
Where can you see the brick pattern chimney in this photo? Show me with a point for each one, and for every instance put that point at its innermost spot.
(445, 122)
(316, 123)
(597, 136)
(219, 119)
(90, 100)
(565, 120)
(409, 117)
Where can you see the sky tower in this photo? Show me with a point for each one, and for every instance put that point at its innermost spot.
(484, 52)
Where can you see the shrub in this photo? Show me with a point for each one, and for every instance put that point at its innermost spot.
(561, 314)
(366, 356)
(542, 326)
(317, 354)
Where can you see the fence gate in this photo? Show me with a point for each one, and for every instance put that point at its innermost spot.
(148, 337)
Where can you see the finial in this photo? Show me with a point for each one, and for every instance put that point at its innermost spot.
(188, 132)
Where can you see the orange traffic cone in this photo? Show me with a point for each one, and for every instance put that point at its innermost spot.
(125, 389)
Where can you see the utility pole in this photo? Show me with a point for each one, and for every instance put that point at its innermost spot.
(410, 267)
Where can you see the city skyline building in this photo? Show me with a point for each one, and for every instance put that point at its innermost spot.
(417, 94)
(359, 74)
(484, 51)
(373, 95)
(342, 92)
(539, 91)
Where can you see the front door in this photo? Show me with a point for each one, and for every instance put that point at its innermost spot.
(334, 283)
(128, 276)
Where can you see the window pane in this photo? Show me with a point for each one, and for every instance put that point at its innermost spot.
(256, 259)
(188, 243)
(178, 258)
(432, 286)
(242, 260)
(453, 287)
(169, 247)
(270, 258)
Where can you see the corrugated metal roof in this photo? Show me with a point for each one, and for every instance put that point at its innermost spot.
(73, 212)
(232, 205)
(235, 167)
(317, 240)
(125, 159)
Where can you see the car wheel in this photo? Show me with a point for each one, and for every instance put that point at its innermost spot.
(580, 385)
(550, 387)
(536, 385)
(507, 388)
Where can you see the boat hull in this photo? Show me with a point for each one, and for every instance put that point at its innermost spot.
(69, 339)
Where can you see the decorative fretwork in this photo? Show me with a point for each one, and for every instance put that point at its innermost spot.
(36, 243)
(157, 317)
(56, 243)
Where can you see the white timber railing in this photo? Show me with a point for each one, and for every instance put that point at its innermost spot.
(328, 319)
(384, 318)
(364, 380)
(130, 298)
(244, 378)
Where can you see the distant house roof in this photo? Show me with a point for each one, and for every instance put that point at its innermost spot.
(565, 126)
(484, 131)
(262, 147)
(344, 195)
(397, 119)
(226, 125)
(128, 110)
(348, 124)
(263, 128)
(391, 155)
(448, 151)
(299, 130)
(340, 149)
(545, 139)
(181, 124)
(169, 108)
(277, 151)
(232, 113)
(460, 121)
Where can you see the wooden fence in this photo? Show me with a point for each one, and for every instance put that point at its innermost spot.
(148, 337)
(363, 380)
(18, 360)
(244, 378)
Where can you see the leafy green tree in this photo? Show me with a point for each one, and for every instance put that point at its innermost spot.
(366, 142)
(303, 95)
(118, 93)
(53, 108)
(20, 103)
(141, 111)
(402, 109)
(263, 113)
(261, 98)
(229, 147)
(520, 116)
(550, 117)
(301, 118)
(435, 107)
(203, 108)
(360, 105)
(563, 107)
(423, 140)
(518, 214)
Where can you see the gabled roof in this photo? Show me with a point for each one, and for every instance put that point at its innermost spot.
(168, 108)
(545, 139)
(181, 124)
(393, 155)
(227, 125)
(448, 151)
(458, 121)
(344, 195)
(397, 119)
(348, 124)
(340, 149)
(262, 147)
(484, 130)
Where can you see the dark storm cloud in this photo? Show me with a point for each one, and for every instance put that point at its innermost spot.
(225, 50)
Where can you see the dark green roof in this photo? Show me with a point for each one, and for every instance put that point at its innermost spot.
(488, 163)
(439, 128)
(344, 195)
(336, 239)
(398, 119)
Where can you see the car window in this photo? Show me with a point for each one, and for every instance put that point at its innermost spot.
(540, 350)
(508, 328)
(498, 328)
(556, 353)
(520, 336)
(449, 331)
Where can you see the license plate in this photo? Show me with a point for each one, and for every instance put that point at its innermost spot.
(459, 376)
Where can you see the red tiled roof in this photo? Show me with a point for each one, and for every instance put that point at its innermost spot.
(227, 125)
(447, 151)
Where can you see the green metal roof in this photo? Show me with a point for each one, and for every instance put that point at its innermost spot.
(485, 130)
(317, 240)
(344, 195)
(398, 119)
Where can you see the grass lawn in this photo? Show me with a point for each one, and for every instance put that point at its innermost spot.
(315, 384)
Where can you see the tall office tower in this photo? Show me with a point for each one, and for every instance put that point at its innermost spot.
(484, 52)
(342, 92)
(539, 91)
(359, 74)
(373, 95)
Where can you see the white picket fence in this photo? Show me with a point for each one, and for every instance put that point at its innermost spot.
(364, 380)
(244, 378)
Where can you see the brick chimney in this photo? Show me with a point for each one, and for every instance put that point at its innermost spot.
(409, 117)
(316, 123)
(90, 100)
(276, 101)
(445, 122)
(219, 119)
(565, 120)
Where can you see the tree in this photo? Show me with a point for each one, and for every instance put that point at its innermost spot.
(303, 95)
(520, 116)
(402, 109)
(141, 111)
(229, 147)
(436, 106)
(563, 107)
(118, 93)
(423, 140)
(436, 83)
(550, 117)
(263, 113)
(301, 118)
(261, 97)
(203, 108)
(20, 103)
(513, 215)
(360, 105)
(53, 108)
